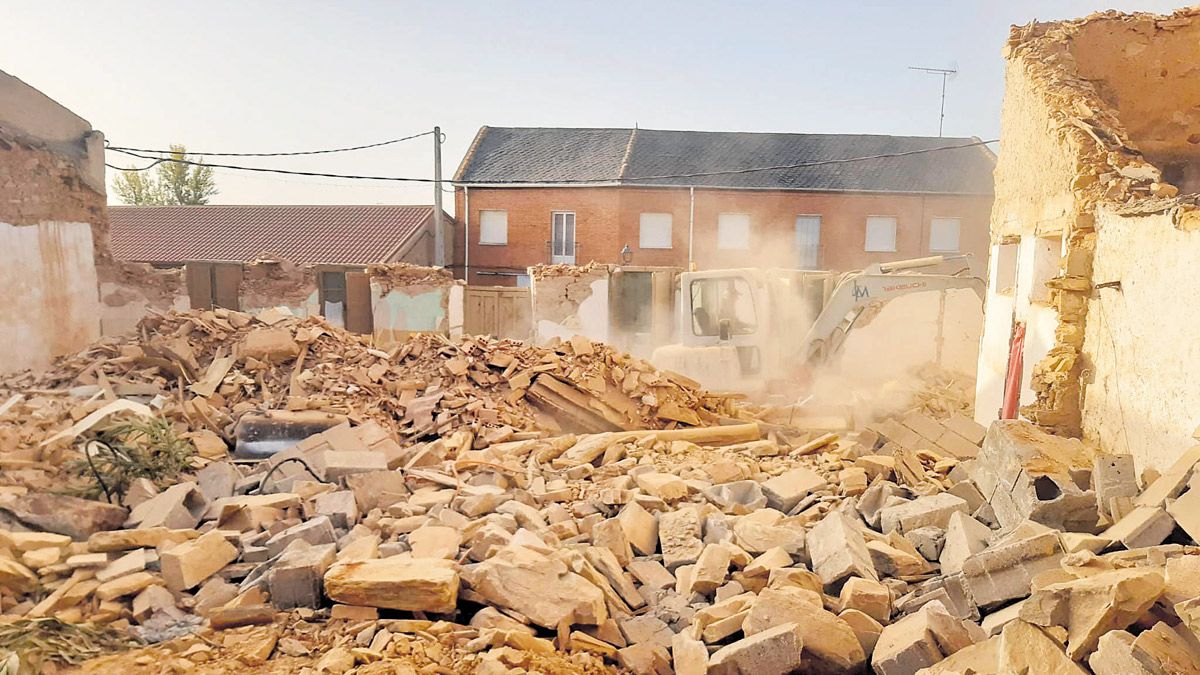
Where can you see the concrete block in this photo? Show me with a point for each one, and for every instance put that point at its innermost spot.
(186, 565)
(341, 507)
(933, 510)
(1144, 526)
(341, 463)
(641, 528)
(787, 489)
(315, 531)
(838, 550)
(295, 580)
(869, 597)
(776, 651)
(1005, 570)
(965, 537)
(179, 507)
(218, 480)
(679, 535)
(1026, 473)
(1171, 482)
(1113, 475)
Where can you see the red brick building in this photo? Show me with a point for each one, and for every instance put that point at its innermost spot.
(532, 195)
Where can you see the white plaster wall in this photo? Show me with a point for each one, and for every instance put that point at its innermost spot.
(456, 312)
(590, 320)
(1142, 342)
(50, 305)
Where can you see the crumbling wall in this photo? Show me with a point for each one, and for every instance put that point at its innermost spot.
(1064, 151)
(570, 300)
(270, 283)
(1141, 343)
(129, 291)
(52, 234)
(410, 298)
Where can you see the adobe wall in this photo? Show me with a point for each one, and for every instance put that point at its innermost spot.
(1141, 342)
(52, 228)
(1100, 132)
(268, 283)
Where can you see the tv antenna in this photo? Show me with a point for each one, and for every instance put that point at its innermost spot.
(946, 74)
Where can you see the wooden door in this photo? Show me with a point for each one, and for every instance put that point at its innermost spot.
(497, 311)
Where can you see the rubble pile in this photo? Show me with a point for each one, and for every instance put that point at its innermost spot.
(405, 537)
(406, 274)
(205, 370)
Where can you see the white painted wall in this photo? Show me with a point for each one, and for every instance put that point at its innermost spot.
(590, 320)
(1142, 341)
(50, 303)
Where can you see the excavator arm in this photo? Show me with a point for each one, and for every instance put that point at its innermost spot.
(859, 290)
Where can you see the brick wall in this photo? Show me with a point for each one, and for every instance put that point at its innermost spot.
(607, 218)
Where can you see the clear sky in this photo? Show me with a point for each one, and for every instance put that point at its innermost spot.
(255, 76)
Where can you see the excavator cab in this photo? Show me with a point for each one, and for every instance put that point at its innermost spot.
(733, 325)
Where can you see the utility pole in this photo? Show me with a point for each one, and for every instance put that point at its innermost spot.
(946, 73)
(439, 235)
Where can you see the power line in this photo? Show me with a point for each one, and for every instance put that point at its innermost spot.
(581, 181)
(279, 154)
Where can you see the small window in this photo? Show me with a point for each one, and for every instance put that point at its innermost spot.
(733, 231)
(655, 230)
(722, 299)
(881, 233)
(522, 281)
(944, 234)
(808, 242)
(493, 227)
(333, 297)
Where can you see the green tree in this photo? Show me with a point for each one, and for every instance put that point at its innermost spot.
(172, 183)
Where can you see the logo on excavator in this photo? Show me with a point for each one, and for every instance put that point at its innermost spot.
(905, 287)
(861, 292)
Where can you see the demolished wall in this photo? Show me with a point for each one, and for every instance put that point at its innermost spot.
(130, 291)
(52, 227)
(570, 300)
(279, 283)
(1090, 106)
(406, 299)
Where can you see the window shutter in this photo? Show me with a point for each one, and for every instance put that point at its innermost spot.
(733, 231)
(881, 234)
(493, 227)
(944, 235)
(808, 242)
(654, 230)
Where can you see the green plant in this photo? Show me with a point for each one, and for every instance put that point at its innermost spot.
(145, 448)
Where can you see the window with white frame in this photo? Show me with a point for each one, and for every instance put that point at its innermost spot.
(655, 230)
(944, 234)
(881, 233)
(493, 227)
(808, 242)
(733, 231)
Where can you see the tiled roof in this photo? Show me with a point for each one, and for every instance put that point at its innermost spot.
(350, 235)
(630, 156)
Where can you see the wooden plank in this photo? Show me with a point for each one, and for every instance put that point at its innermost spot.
(199, 285)
(358, 303)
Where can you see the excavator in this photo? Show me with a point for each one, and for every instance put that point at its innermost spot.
(742, 330)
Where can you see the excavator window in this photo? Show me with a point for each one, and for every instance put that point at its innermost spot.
(719, 300)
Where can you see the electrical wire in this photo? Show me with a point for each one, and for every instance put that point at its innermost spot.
(282, 154)
(581, 181)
